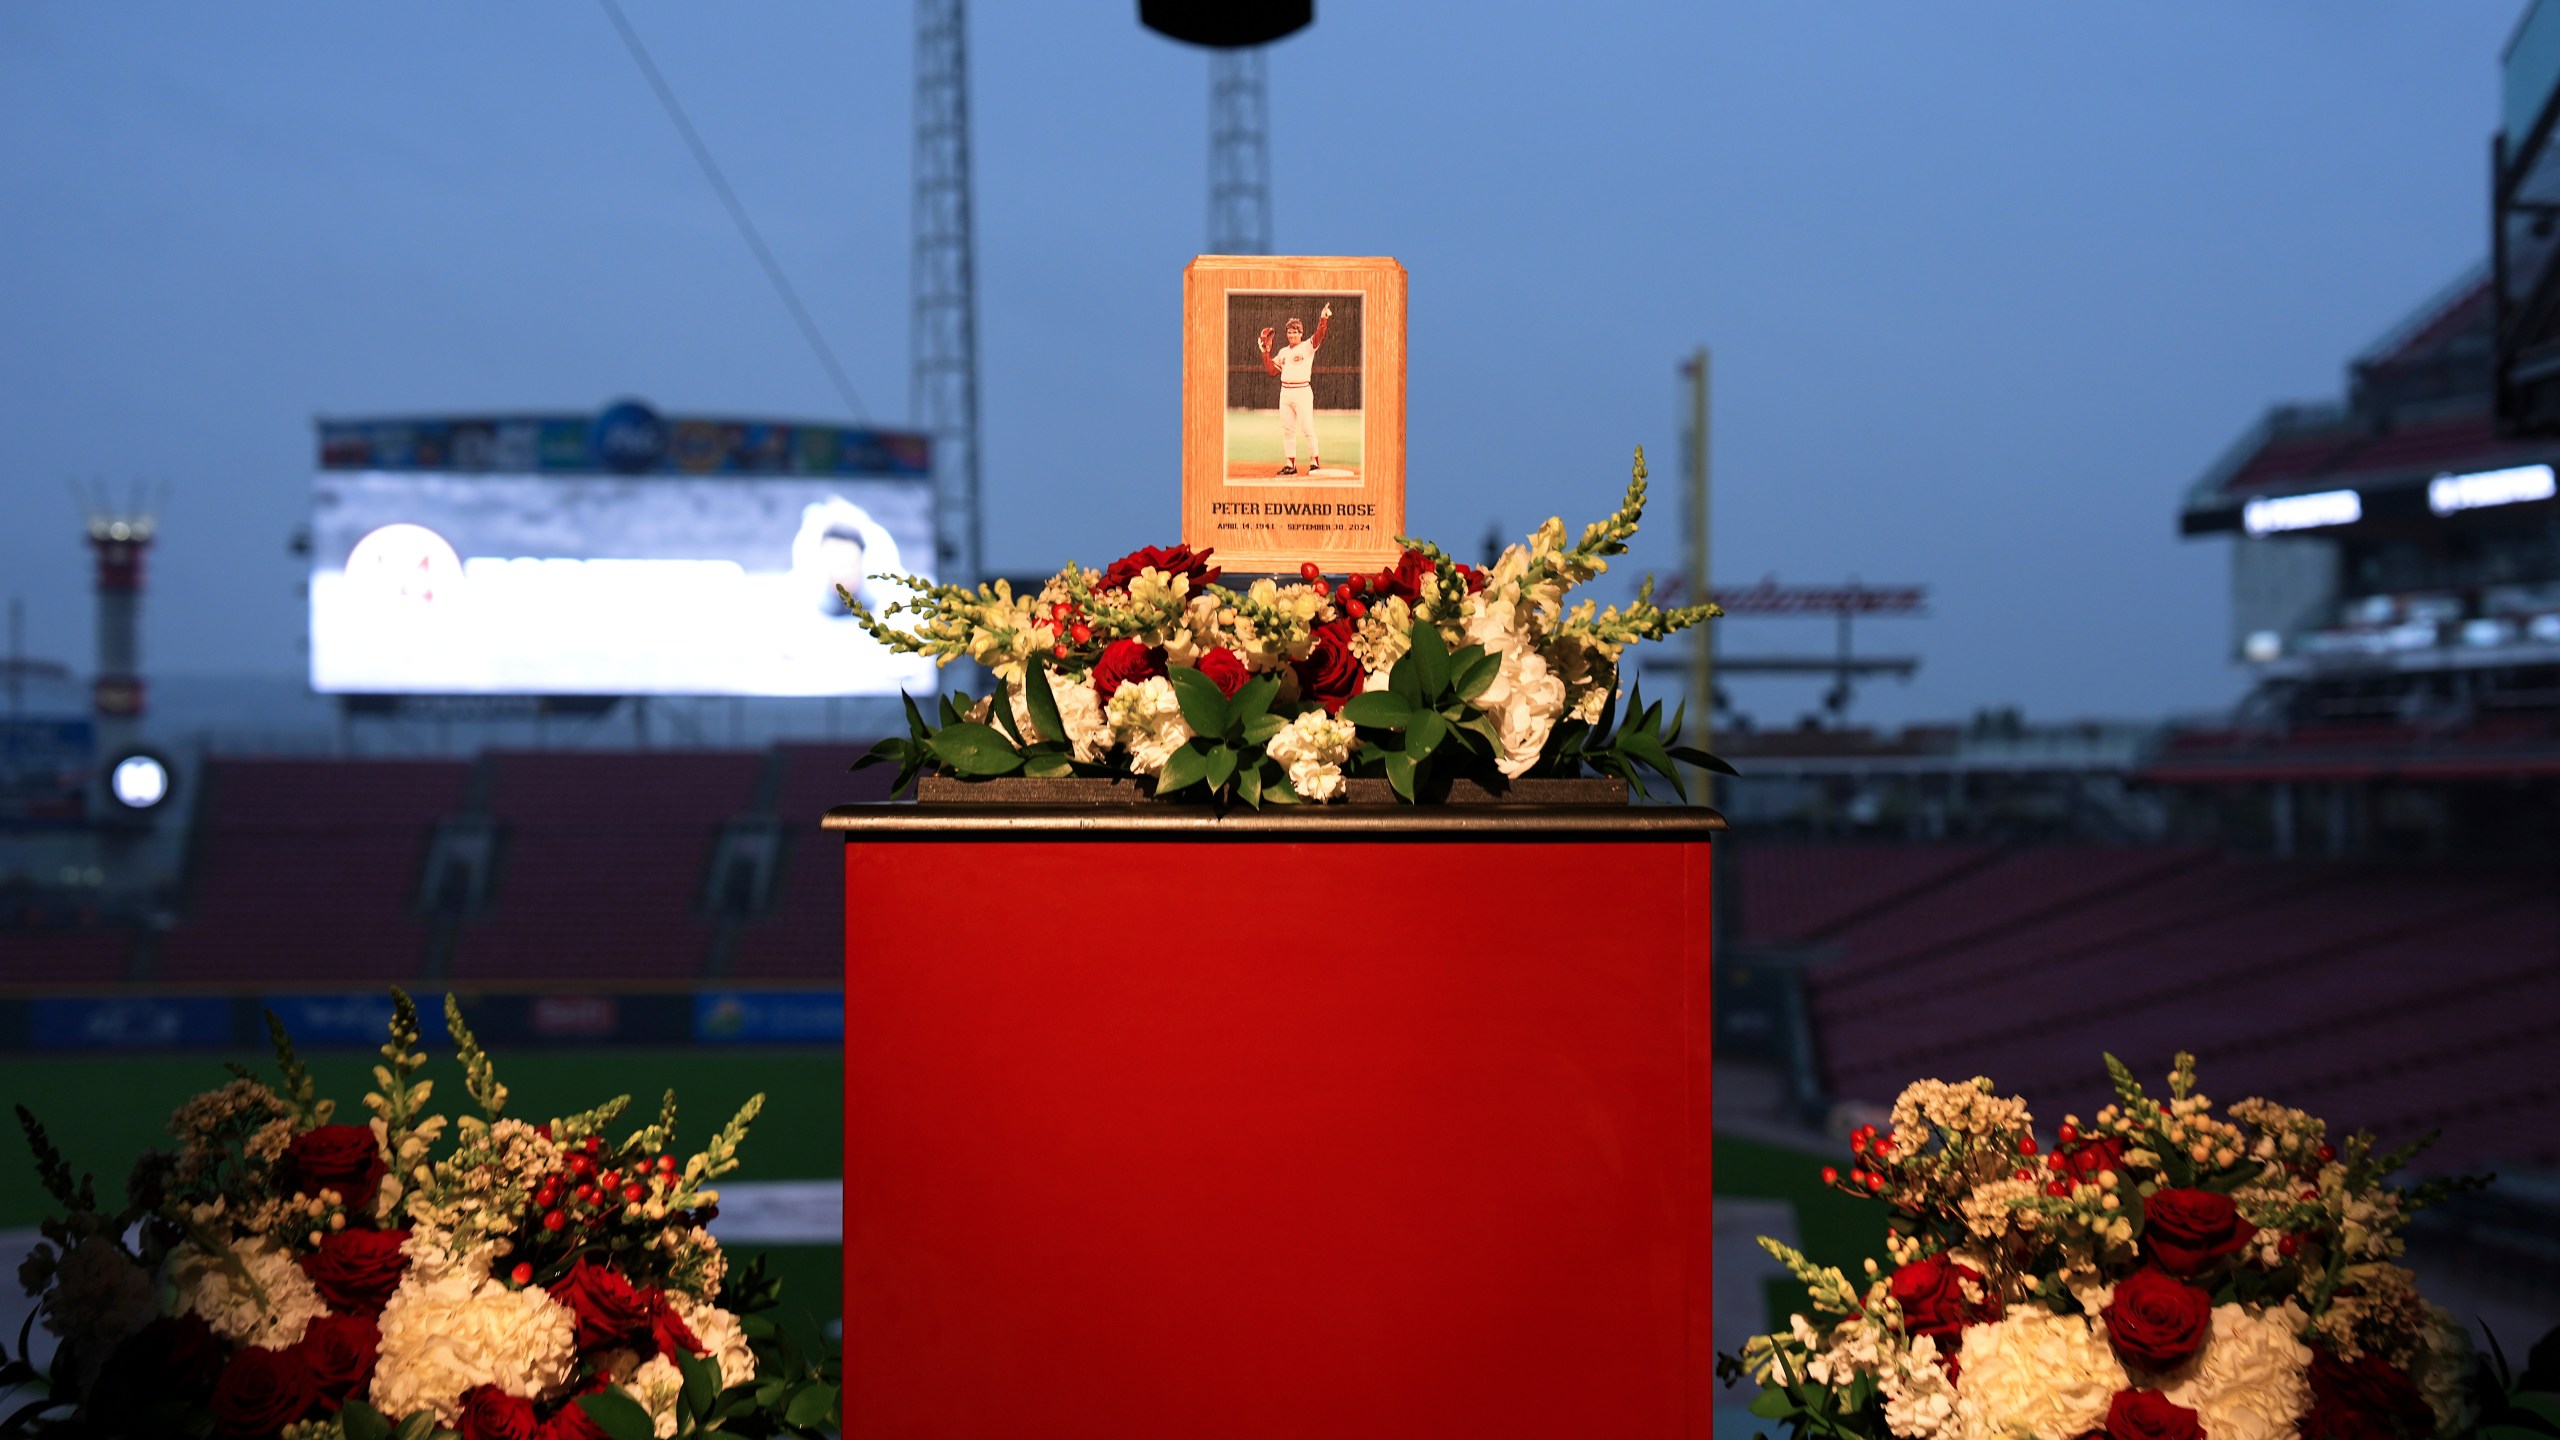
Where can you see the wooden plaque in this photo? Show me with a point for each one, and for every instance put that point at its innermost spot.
(1293, 438)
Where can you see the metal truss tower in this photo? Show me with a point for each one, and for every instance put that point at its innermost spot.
(1239, 153)
(942, 338)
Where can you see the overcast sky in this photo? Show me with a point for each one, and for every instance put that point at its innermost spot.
(1988, 283)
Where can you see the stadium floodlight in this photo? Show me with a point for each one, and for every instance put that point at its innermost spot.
(2262, 646)
(2274, 514)
(2481, 489)
(139, 781)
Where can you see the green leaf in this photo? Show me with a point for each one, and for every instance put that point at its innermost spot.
(1042, 700)
(1259, 730)
(1048, 764)
(1400, 768)
(423, 1424)
(1254, 700)
(1691, 755)
(1405, 679)
(1472, 670)
(1003, 711)
(965, 747)
(1641, 744)
(1222, 767)
(618, 1415)
(1600, 728)
(1379, 710)
(952, 711)
(812, 1407)
(916, 728)
(1425, 734)
(1183, 768)
(1773, 1405)
(701, 1381)
(1204, 706)
(882, 753)
(1249, 783)
(2545, 1408)
(362, 1421)
(1430, 655)
(1278, 791)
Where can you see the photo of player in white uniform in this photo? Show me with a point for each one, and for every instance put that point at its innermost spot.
(1294, 396)
(1295, 364)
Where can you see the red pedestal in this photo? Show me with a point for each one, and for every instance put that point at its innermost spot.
(1160, 1126)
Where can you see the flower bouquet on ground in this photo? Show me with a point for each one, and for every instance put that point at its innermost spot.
(1422, 674)
(2159, 1272)
(278, 1274)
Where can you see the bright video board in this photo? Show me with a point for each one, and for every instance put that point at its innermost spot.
(625, 566)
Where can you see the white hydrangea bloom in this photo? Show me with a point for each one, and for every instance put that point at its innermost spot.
(2252, 1380)
(1079, 709)
(2441, 1367)
(444, 1335)
(1147, 718)
(720, 1333)
(1314, 747)
(2035, 1373)
(206, 1286)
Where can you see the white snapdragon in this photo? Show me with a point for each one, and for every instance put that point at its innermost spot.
(207, 1287)
(1146, 717)
(657, 1386)
(1314, 747)
(1526, 697)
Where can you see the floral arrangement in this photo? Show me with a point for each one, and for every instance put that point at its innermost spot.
(1423, 673)
(2158, 1273)
(278, 1274)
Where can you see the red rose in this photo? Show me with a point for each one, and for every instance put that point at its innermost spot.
(668, 1330)
(261, 1392)
(1225, 670)
(339, 1351)
(2368, 1400)
(1474, 578)
(2149, 1415)
(1180, 560)
(356, 1270)
(2156, 1321)
(1934, 1302)
(2084, 1161)
(1124, 662)
(176, 1357)
(2186, 1230)
(489, 1413)
(610, 1311)
(343, 1158)
(1331, 674)
(1405, 581)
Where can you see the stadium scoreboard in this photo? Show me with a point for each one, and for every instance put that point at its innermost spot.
(621, 553)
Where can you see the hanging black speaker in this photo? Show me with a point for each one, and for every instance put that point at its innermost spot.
(1226, 24)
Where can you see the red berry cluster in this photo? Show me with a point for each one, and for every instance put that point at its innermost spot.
(1069, 621)
(1872, 1148)
(590, 1189)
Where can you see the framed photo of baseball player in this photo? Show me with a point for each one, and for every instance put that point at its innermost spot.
(1293, 410)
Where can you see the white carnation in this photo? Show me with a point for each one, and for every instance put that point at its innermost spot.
(1146, 716)
(720, 1334)
(1079, 710)
(2441, 1370)
(206, 1286)
(443, 1336)
(2035, 1373)
(100, 1299)
(2252, 1380)
(1919, 1399)
(1524, 702)
(1314, 747)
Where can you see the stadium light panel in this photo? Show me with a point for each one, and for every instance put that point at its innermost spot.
(2481, 489)
(2274, 514)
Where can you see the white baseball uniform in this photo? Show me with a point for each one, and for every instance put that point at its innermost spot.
(1296, 366)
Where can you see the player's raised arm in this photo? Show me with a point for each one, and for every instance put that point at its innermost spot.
(1324, 318)
(1268, 363)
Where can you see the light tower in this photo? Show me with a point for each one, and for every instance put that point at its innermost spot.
(1239, 153)
(942, 338)
(1234, 31)
(119, 537)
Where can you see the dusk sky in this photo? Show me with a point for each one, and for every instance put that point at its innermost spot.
(1988, 283)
